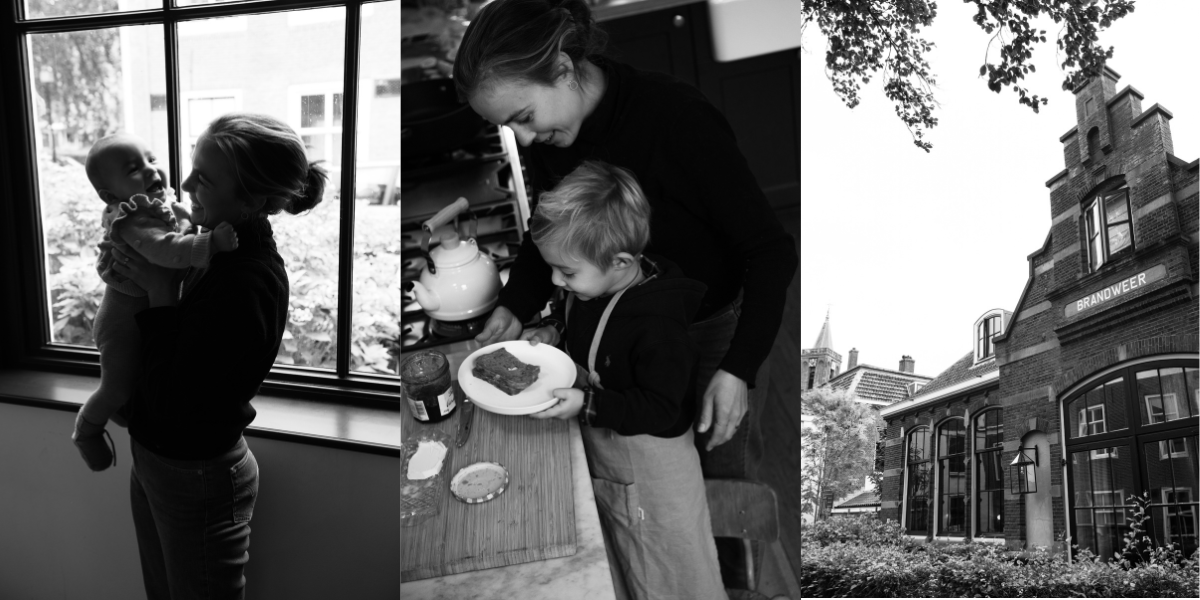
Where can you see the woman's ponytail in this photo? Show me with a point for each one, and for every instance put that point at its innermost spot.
(313, 192)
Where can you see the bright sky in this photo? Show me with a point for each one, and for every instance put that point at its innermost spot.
(908, 249)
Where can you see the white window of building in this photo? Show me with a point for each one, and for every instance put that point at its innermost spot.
(1108, 227)
(986, 329)
(316, 113)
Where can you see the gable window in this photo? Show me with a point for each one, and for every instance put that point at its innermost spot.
(918, 488)
(1112, 459)
(1108, 227)
(163, 72)
(952, 478)
(985, 332)
(989, 473)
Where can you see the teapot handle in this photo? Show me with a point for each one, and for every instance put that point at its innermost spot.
(446, 215)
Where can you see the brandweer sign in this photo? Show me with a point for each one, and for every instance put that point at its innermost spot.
(1116, 290)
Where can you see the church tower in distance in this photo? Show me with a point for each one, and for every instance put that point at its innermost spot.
(820, 363)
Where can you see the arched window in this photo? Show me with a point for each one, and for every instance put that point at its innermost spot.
(989, 473)
(916, 498)
(1131, 433)
(952, 478)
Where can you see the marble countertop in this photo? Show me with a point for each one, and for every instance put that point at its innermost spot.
(582, 576)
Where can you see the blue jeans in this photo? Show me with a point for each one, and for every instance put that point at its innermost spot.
(739, 457)
(193, 522)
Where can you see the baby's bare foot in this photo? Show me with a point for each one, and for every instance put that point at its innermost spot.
(225, 238)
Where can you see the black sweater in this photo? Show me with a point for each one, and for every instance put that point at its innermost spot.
(646, 359)
(204, 360)
(708, 213)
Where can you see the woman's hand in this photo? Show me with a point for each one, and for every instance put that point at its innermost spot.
(502, 326)
(569, 404)
(547, 334)
(726, 396)
(159, 282)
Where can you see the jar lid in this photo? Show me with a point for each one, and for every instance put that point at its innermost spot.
(479, 482)
(423, 366)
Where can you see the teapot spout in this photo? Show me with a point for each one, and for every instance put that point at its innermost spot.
(428, 299)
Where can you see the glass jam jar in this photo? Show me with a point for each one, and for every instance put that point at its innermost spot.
(425, 379)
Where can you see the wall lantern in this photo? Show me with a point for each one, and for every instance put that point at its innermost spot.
(1024, 471)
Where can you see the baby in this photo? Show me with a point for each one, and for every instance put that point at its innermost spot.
(141, 216)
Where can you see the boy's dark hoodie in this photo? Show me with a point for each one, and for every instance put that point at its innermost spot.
(646, 359)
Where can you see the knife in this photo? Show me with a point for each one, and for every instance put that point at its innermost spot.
(464, 421)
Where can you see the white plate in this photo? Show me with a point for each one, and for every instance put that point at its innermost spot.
(558, 371)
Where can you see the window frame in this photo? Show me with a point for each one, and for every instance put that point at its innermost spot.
(1096, 242)
(979, 455)
(1134, 436)
(30, 344)
(907, 508)
(943, 461)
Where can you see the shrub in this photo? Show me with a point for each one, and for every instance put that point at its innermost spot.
(842, 570)
(855, 530)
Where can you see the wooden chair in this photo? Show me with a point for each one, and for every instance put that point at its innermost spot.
(747, 510)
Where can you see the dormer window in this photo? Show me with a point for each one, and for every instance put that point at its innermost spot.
(986, 329)
(1108, 227)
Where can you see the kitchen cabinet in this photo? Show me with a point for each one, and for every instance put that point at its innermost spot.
(759, 95)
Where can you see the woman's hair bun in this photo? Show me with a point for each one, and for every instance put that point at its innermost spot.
(313, 192)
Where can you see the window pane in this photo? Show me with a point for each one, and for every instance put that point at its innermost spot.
(1075, 415)
(337, 110)
(1118, 238)
(377, 260)
(1193, 383)
(312, 110)
(1115, 402)
(1174, 389)
(1150, 398)
(85, 85)
(1116, 207)
(259, 63)
(40, 9)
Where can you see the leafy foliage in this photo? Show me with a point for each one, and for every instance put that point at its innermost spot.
(871, 38)
(308, 243)
(863, 557)
(842, 445)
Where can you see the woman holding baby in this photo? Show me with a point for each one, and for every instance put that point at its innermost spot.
(208, 339)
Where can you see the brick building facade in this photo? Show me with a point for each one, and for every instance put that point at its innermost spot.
(1094, 374)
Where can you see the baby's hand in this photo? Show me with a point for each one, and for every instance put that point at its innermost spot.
(225, 238)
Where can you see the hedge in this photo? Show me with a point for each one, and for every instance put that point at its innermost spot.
(860, 558)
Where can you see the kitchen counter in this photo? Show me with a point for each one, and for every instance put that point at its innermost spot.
(584, 575)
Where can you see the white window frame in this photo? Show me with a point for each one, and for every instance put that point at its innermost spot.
(1096, 226)
(1086, 422)
(296, 93)
(1166, 414)
(186, 139)
(1166, 450)
(1171, 502)
(1116, 503)
(976, 334)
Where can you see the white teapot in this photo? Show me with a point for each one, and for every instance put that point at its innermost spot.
(459, 282)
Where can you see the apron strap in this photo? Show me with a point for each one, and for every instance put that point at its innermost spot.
(593, 376)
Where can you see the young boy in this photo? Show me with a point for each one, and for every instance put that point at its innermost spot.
(627, 316)
(141, 216)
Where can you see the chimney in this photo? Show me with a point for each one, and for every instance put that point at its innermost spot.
(853, 358)
(906, 364)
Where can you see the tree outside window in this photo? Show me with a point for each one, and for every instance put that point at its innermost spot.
(91, 82)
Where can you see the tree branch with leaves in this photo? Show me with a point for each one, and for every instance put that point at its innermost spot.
(840, 445)
(868, 38)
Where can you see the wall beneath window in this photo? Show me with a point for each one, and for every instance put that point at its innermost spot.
(325, 524)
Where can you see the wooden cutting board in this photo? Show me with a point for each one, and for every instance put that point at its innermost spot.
(534, 519)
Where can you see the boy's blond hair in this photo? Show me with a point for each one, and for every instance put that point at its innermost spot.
(595, 212)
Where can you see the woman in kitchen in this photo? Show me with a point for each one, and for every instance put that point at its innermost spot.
(205, 352)
(536, 66)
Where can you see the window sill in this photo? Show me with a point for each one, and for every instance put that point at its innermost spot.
(280, 416)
